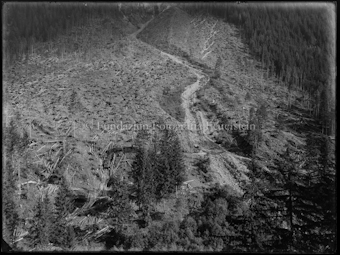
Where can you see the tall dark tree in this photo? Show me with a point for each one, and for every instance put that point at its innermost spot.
(169, 163)
(63, 205)
(142, 175)
(159, 168)
(119, 209)
(258, 119)
(26, 23)
(42, 224)
(14, 149)
(217, 70)
(9, 205)
(320, 231)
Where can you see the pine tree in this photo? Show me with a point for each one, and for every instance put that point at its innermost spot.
(288, 173)
(13, 148)
(142, 175)
(156, 10)
(9, 205)
(119, 208)
(257, 118)
(259, 219)
(169, 164)
(175, 154)
(63, 205)
(217, 70)
(47, 211)
(327, 195)
(296, 194)
(39, 233)
(322, 193)
(253, 133)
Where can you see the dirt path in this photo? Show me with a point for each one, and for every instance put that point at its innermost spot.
(195, 133)
(187, 99)
(218, 155)
(188, 95)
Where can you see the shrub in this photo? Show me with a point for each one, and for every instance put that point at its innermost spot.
(203, 164)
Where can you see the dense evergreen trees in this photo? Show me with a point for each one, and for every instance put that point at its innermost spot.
(143, 177)
(320, 163)
(301, 203)
(42, 224)
(257, 120)
(169, 164)
(15, 145)
(119, 208)
(9, 205)
(159, 168)
(49, 224)
(27, 23)
(61, 234)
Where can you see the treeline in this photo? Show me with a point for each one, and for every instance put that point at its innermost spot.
(27, 23)
(293, 207)
(293, 43)
(14, 149)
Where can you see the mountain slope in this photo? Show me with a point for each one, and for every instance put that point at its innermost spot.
(229, 98)
(177, 32)
(238, 137)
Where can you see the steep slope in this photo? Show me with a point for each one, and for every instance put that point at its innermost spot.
(177, 32)
(117, 80)
(183, 31)
(190, 71)
(84, 102)
(225, 99)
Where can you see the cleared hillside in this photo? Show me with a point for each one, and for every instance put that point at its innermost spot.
(177, 32)
(236, 163)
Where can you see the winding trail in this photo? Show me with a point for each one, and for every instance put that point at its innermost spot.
(189, 93)
(188, 97)
(197, 136)
(196, 133)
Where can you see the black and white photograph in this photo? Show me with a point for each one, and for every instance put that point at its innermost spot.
(169, 127)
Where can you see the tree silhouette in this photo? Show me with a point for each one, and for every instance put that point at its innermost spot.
(63, 204)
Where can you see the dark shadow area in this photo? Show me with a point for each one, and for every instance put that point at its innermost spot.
(243, 147)
(5, 246)
(112, 238)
